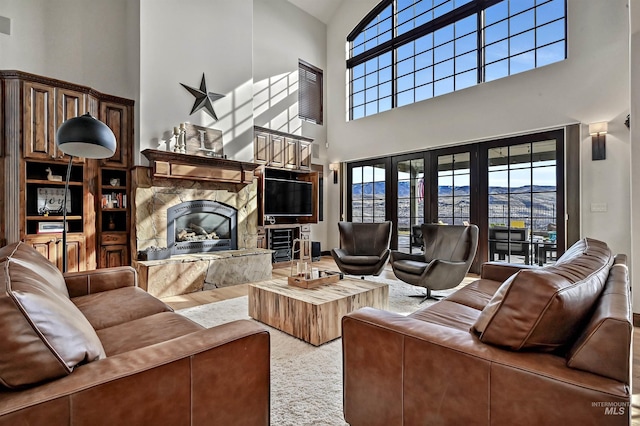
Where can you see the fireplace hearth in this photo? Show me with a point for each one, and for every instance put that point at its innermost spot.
(201, 226)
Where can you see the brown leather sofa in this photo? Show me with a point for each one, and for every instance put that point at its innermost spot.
(521, 345)
(92, 348)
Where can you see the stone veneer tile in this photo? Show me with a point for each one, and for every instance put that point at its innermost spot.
(152, 203)
(238, 270)
(193, 272)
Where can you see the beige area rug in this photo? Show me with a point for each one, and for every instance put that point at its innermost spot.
(306, 381)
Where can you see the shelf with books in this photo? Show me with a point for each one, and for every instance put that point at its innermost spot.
(114, 216)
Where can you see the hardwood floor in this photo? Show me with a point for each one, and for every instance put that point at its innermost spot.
(216, 295)
(326, 262)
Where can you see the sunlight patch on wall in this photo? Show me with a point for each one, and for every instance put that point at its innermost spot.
(275, 103)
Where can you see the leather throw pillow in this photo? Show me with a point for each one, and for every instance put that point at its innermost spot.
(43, 335)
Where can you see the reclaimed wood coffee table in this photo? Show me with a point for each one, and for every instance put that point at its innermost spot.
(313, 315)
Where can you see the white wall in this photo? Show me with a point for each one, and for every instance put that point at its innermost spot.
(179, 41)
(84, 42)
(591, 85)
(634, 158)
(283, 34)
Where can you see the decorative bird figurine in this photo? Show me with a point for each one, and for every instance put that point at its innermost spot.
(51, 176)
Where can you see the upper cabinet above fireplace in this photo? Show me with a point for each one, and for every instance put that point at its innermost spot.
(281, 150)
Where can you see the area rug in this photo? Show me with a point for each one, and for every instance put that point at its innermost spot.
(306, 381)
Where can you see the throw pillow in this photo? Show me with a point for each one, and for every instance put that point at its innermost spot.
(43, 335)
(541, 309)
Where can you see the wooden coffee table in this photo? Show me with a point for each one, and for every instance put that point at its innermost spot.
(313, 315)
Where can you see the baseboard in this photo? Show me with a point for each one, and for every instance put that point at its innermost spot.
(636, 320)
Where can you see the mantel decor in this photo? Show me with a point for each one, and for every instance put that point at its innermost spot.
(171, 165)
(204, 141)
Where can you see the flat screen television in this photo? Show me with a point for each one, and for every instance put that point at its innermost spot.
(284, 197)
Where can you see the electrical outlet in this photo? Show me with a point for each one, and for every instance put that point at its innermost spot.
(599, 207)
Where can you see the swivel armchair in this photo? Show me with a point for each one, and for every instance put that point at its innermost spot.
(448, 253)
(364, 247)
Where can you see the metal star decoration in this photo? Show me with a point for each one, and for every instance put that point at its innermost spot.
(204, 99)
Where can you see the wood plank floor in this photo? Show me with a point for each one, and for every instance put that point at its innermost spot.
(326, 262)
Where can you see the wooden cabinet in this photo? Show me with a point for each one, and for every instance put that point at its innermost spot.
(39, 127)
(269, 149)
(304, 155)
(32, 108)
(50, 246)
(291, 154)
(281, 150)
(115, 255)
(118, 117)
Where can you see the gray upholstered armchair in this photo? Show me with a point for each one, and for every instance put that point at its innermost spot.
(448, 253)
(364, 247)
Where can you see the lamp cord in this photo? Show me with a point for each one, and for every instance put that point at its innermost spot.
(64, 216)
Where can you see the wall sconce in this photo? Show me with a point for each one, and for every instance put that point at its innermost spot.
(335, 168)
(598, 132)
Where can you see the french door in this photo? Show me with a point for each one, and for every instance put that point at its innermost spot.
(367, 183)
(509, 183)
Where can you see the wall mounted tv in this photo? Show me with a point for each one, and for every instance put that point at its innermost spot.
(285, 197)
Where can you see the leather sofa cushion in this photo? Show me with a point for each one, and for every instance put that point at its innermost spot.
(541, 309)
(108, 308)
(43, 335)
(145, 331)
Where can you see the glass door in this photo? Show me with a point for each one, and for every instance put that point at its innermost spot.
(368, 192)
(454, 188)
(410, 203)
(523, 202)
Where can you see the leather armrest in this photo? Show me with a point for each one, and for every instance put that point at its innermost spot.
(214, 376)
(500, 271)
(341, 253)
(88, 282)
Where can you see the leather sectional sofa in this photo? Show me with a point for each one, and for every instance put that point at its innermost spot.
(521, 345)
(92, 348)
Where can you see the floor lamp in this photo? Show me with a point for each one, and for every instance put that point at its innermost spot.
(86, 137)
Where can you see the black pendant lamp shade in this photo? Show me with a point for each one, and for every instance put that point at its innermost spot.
(86, 137)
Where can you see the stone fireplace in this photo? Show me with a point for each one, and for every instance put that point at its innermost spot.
(155, 203)
(201, 226)
(210, 224)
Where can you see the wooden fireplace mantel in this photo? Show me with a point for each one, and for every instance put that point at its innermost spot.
(171, 165)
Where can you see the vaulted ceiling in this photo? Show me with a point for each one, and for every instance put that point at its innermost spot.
(321, 9)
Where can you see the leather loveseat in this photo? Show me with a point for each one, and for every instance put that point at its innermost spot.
(521, 345)
(92, 348)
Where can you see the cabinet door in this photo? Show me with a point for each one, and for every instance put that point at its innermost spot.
(304, 162)
(46, 246)
(38, 118)
(261, 148)
(116, 116)
(116, 255)
(278, 151)
(69, 104)
(76, 254)
(291, 153)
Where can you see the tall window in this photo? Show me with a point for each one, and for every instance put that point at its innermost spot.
(405, 51)
(410, 194)
(309, 92)
(368, 193)
(454, 188)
